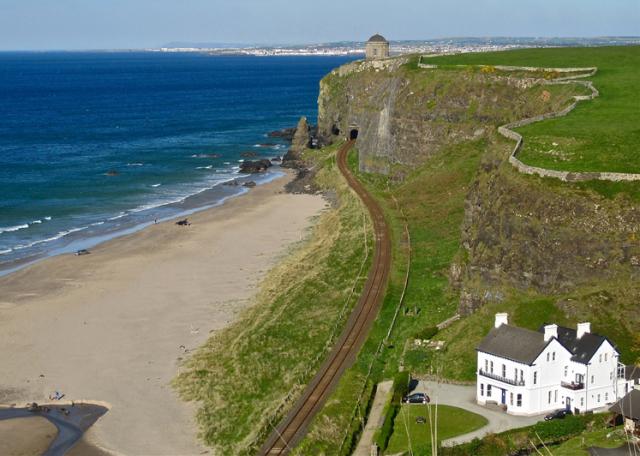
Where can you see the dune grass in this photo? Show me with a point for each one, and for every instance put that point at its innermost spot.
(246, 376)
(599, 135)
(410, 434)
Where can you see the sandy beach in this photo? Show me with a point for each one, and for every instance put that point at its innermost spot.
(113, 326)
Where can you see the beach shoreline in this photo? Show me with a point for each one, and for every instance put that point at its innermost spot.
(115, 325)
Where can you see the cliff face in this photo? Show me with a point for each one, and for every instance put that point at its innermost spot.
(520, 233)
(403, 115)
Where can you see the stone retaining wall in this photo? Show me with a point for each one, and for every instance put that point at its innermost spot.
(507, 129)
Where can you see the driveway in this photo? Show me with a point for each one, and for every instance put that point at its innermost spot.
(464, 397)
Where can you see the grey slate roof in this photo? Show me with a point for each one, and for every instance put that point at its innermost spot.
(629, 406)
(517, 344)
(377, 38)
(584, 348)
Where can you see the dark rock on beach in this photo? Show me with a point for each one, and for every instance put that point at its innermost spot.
(256, 166)
(249, 184)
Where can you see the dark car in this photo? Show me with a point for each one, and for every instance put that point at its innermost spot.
(557, 415)
(416, 398)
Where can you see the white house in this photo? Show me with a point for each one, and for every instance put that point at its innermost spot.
(532, 372)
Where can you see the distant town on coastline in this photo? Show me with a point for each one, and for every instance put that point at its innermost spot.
(436, 46)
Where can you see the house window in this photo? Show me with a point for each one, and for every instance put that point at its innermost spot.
(611, 375)
(606, 356)
(548, 354)
(566, 370)
(521, 376)
(486, 365)
(549, 399)
(598, 398)
(582, 402)
(553, 356)
(606, 397)
(519, 400)
(481, 389)
(535, 378)
(515, 373)
(555, 396)
(511, 398)
(504, 371)
(488, 390)
(600, 358)
(592, 382)
(491, 367)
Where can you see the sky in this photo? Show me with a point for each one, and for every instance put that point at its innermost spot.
(131, 24)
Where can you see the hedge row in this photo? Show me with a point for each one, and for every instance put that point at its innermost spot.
(400, 389)
(516, 441)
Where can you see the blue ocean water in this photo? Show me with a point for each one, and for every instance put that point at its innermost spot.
(97, 144)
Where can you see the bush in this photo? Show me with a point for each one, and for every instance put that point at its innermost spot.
(400, 386)
(550, 431)
(400, 389)
(387, 427)
(427, 333)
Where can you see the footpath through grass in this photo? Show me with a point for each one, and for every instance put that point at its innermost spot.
(247, 376)
(411, 432)
(599, 135)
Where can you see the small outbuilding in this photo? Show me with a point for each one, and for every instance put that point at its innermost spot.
(629, 408)
(377, 48)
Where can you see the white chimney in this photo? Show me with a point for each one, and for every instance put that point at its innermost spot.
(583, 328)
(550, 331)
(501, 319)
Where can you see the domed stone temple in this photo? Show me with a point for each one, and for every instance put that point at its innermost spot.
(377, 48)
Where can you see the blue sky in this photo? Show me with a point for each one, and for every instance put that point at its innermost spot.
(109, 24)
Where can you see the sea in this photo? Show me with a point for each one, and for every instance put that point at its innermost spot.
(97, 145)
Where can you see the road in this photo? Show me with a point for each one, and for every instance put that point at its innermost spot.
(294, 426)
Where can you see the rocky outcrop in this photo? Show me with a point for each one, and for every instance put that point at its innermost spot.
(255, 166)
(301, 141)
(519, 233)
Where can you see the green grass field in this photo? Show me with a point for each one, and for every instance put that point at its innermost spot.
(245, 373)
(599, 135)
(409, 434)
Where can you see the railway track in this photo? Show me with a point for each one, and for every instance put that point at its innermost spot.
(293, 427)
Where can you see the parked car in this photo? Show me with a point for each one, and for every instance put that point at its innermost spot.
(416, 398)
(557, 415)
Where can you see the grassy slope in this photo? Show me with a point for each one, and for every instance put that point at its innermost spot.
(433, 201)
(610, 123)
(246, 371)
(452, 421)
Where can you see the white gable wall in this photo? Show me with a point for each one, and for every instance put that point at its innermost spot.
(543, 389)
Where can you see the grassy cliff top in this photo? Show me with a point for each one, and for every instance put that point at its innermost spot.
(599, 135)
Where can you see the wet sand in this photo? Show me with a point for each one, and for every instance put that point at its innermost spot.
(113, 326)
(26, 436)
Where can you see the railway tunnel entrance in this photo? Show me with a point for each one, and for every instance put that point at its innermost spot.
(353, 134)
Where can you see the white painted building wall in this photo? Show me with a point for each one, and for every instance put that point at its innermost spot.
(538, 388)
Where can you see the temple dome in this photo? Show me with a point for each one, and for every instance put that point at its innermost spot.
(377, 38)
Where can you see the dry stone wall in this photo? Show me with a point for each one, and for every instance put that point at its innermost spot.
(507, 129)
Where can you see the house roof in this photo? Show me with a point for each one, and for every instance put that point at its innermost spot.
(629, 405)
(377, 38)
(517, 344)
(584, 348)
